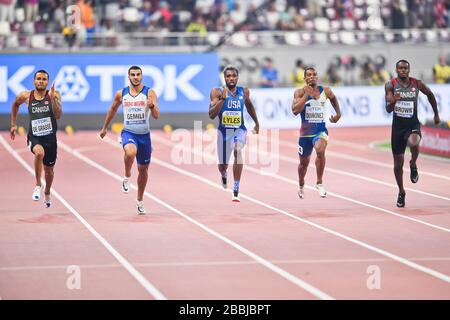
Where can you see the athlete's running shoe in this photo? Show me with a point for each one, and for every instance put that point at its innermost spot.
(401, 200)
(140, 207)
(321, 189)
(414, 174)
(36, 193)
(126, 184)
(235, 197)
(301, 192)
(47, 200)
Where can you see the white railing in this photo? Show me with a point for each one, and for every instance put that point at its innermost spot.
(10, 40)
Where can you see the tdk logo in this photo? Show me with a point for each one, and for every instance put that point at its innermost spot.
(73, 82)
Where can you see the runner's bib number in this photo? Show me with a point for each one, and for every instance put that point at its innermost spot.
(135, 116)
(404, 109)
(42, 127)
(231, 119)
(314, 114)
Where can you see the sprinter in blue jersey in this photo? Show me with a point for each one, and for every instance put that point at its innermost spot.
(228, 104)
(309, 101)
(138, 101)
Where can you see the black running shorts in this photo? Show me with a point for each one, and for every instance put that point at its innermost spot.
(400, 135)
(49, 145)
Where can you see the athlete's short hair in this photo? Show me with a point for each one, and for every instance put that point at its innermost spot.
(306, 70)
(41, 71)
(230, 68)
(400, 61)
(134, 68)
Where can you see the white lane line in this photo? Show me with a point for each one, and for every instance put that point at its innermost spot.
(349, 174)
(281, 272)
(294, 182)
(373, 145)
(136, 274)
(385, 253)
(220, 263)
(294, 147)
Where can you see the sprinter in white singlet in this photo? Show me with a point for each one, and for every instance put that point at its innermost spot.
(138, 102)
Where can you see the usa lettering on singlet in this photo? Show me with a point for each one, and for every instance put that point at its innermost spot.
(231, 115)
(407, 105)
(135, 111)
(42, 121)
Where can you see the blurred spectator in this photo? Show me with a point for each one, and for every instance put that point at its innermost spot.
(332, 77)
(378, 75)
(298, 74)
(397, 17)
(197, 26)
(166, 13)
(87, 19)
(70, 35)
(108, 33)
(7, 10)
(441, 71)
(31, 10)
(269, 75)
(272, 17)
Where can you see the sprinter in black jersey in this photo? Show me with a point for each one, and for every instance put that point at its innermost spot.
(44, 107)
(401, 95)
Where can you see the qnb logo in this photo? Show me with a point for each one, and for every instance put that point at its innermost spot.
(71, 84)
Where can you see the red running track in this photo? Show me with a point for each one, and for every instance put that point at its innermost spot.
(195, 243)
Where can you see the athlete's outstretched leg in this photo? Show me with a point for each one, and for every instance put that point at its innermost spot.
(398, 171)
(48, 184)
(223, 172)
(320, 147)
(302, 168)
(238, 165)
(142, 180)
(130, 151)
(413, 142)
(39, 153)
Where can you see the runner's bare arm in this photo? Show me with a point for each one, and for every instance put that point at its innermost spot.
(335, 103)
(56, 102)
(431, 99)
(20, 98)
(298, 104)
(111, 112)
(389, 96)
(217, 98)
(57, 105)
(251, 110)
(152, 103)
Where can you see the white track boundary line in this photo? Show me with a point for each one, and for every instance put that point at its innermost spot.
(151, 289)
(281, 272)
(294, 146)
(294, 182)
(385, 253)
(217, 263)
(373, 146)
(353, 175)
